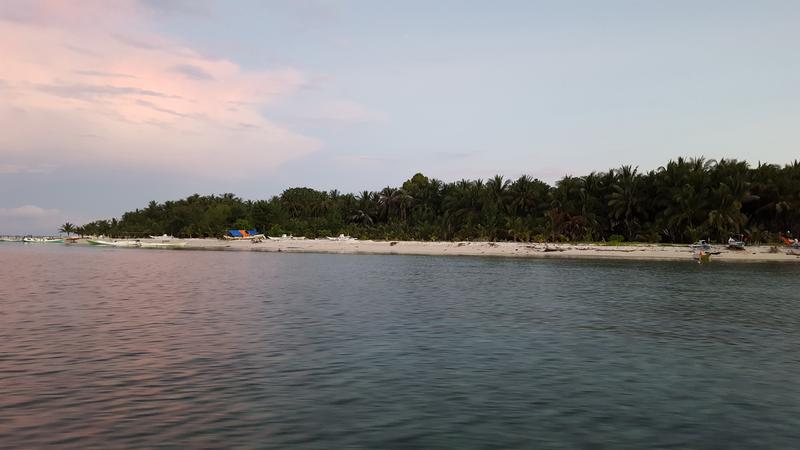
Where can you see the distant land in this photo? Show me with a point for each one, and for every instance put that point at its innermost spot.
(683, 201)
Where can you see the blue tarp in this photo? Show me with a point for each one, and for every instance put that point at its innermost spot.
(242, 233)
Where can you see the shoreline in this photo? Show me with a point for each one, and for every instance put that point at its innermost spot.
(499, 249)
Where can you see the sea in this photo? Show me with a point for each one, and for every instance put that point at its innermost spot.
(135, 348)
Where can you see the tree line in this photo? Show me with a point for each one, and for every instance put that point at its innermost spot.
(682, 201)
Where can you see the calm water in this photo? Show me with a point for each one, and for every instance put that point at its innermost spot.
(110, 348)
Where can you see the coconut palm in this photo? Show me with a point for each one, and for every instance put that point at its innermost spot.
(361, 217)
(625, 202)
(68, 228)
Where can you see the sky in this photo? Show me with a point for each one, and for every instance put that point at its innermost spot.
(106, 105)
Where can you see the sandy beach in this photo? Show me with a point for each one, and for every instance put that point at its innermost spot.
(497, 249)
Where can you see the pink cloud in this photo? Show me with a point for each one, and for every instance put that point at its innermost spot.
(90, 84)
(28, 212)
(30, 218)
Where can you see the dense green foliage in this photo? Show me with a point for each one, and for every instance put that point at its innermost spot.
(685, 200)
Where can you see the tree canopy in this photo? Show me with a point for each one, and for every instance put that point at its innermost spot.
(682, 201)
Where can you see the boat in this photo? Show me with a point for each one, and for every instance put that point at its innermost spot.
(736, 244)
(121, 243)
(702, 244)
(10, 239)
(163, 237)
(127, 243)
(42, 240)
(163, 244)
(99, 242)
(241, 235)
(789, 242)
(341, 237)
(286, 238)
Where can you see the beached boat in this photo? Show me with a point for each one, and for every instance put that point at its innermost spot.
(736, 244)
(341, 237)
(163, 244)
(701, 245)
(163, 237)
(121, 243)
(287, 238)
(127, 243)
(42, 240)
(789, 242)
(241, 235)
(99, 242)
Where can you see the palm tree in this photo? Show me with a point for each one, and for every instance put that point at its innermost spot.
(392, 199)
(528, 195)
(625, 202)
(361, 217)
(498, 191)
(68, 228)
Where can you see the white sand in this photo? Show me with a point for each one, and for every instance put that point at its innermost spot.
(504, 249)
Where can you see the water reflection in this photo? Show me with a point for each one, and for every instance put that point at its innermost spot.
(109, 348)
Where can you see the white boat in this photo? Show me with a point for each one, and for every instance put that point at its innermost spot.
(121, 243)
(99, 242)
(736, 244)
(42, 240)
(127, 243)
(163, 237)
(286, 238)
(163, 244)
(341, 237)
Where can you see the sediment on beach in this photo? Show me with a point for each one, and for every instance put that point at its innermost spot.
(502, 249)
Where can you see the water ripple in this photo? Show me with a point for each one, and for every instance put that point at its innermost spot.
(128, 348)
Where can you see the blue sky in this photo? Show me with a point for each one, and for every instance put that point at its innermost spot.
(107, 108)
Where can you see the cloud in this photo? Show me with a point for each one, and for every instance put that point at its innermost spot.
(88, 91)
(9, 169)
(30, 219)
(148, 101)
(99, 73)
(193, 72)
(179, 7)
(28, 212)
(159, 109)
